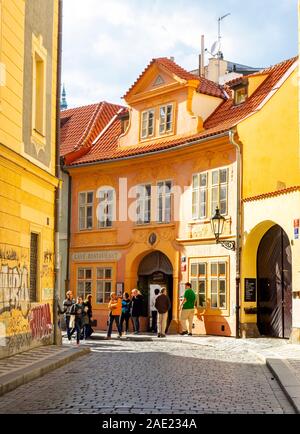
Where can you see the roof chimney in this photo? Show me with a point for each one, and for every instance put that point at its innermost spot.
(172, 58)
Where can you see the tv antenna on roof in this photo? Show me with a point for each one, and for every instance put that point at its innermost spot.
(219, 53)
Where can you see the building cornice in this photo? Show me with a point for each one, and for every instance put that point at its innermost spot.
(272, 194)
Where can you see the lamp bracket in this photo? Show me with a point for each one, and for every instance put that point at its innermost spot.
(229, 245)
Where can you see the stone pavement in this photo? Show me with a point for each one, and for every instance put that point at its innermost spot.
(24, 367)
(281, 357)
(155, 376)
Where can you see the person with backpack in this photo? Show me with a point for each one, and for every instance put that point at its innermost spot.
(126, 305)
(67, 305)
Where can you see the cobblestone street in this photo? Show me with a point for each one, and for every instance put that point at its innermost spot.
(154, 377)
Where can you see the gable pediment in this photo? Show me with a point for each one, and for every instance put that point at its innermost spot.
(154, 80)
(159, 81)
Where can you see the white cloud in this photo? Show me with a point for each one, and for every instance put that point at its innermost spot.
(107, 43)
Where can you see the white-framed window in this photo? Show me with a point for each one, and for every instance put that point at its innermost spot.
(86, 209)
(165, 119)
(218, 279)
(143, 204)
(106, 207)
(219, 191)
(240, 95)
(199, 282)
(199, 196)
(84, 282)
(164, 201)
(147, 123)
(104, 285)
(209, 282)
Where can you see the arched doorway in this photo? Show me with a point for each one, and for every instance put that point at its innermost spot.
(155, 271)
(274, 284)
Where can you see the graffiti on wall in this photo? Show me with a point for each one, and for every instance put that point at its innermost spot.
(40, 321)
(20, 321)
(14, 292)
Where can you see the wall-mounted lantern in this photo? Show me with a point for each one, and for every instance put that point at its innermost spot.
(217, 223)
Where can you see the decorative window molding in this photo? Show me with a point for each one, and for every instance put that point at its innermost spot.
(39, 71)
(164, 201)
(104, 284)
(199, 195)
(86, 210)
(219, 191)
(84, 282)
(143, 212)
(147, 123)
(166, 119)
(209, 279)
(106, 209)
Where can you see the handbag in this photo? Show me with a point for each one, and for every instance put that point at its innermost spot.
(72, 321)
(94, 323)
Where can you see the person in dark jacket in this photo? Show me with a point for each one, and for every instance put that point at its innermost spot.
(136, 309)
(67, 305)
(163, 305)
(126, 306)
(78, 309)
(154, 311)
(87, 317)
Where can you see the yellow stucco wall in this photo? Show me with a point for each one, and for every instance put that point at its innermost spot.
(27, 197)
(11, 57)
(270, 149)
(270, 143)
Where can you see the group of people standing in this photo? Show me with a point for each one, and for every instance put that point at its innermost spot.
(122, 309)
(79, 315)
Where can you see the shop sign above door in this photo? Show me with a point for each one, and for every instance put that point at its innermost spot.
(101, 255)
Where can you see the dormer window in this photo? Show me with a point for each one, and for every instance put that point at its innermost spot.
(124, 122)
(165, 119)
(240, 91)
(147, 124)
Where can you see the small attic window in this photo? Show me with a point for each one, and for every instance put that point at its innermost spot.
(124, 122)
(240, 93)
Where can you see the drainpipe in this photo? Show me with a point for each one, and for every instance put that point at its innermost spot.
(238, 232)
(57, 334)
(69, 221)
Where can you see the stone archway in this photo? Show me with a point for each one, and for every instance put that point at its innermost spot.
(155, 271)
(274, 284)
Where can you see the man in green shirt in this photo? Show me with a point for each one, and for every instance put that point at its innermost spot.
(187, 309)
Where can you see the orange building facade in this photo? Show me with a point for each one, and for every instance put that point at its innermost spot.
(146, 181)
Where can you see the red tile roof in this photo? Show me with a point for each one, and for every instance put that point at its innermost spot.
(209, 87)
(225, 117)
(206, 86)
(107, 147)
(81, 125)
(228, 115)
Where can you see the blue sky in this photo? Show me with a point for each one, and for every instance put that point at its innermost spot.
(107, 43)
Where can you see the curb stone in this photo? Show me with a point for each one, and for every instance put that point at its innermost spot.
(287, 380)
(13, 380)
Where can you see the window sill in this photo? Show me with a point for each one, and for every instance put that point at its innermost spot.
(153, 225)
(96, 231)
(206, 220)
